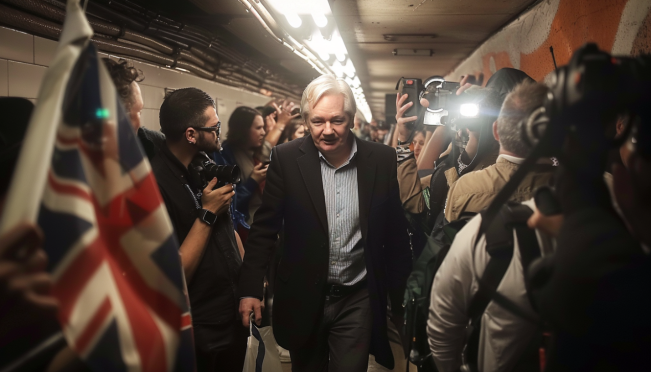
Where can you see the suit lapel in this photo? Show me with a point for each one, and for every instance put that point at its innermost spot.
(310, 166)
(365, 183)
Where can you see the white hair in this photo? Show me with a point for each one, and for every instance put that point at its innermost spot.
(327, 84)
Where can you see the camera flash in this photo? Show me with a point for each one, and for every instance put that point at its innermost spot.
(469, 109)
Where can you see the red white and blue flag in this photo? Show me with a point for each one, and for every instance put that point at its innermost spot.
(110, 243)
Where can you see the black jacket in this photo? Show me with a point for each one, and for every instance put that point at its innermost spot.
(294, 194)
(598, 297)
(212, 289)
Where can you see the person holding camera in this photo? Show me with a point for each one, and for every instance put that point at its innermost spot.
(474, 191)
(504, 337)
(202, 223)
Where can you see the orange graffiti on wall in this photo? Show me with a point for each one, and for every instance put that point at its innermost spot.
(576, 22)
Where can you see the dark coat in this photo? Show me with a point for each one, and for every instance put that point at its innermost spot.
(294, 195)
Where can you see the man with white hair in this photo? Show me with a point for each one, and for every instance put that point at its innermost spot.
(346, 243)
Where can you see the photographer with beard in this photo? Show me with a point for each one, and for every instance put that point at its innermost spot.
(202, 223)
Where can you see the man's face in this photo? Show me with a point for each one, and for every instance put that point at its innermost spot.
(208, 141)
(329, 124)
(136, 105)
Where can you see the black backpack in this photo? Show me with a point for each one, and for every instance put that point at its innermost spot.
(499, 238)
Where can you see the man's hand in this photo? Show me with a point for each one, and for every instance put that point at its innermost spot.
(249, 305)
(24, 284)
(403, 131)
(259, 173)
(217, 201)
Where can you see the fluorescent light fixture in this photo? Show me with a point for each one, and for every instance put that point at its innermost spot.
(325, 56)
(349, 69)
(338, 69)
(294, 20)
(413, 52)
(469, 110)
(320, 19)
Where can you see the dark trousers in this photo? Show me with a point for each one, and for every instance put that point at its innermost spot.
(220, 347)
(342, 341)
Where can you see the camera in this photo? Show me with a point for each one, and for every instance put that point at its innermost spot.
(203, 169)
(413, 88)
(441, 95)
(588, 94)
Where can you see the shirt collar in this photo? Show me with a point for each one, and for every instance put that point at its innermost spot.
(353, 152)
(512, 159)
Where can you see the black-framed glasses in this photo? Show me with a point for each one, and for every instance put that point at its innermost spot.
(217, 128)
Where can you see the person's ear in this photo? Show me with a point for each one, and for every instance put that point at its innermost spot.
(497, 136)
(191, 135)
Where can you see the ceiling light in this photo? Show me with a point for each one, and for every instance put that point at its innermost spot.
(325, 56)
(320, 19)
(413, 52)
(349, 69)
(338, 69)
(294, 20)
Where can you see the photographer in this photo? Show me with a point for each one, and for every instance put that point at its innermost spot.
(504, 338)
(201, 220)
(472, 148)
(596, 298)
(476, 190)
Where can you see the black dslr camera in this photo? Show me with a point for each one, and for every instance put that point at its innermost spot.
(203, 170)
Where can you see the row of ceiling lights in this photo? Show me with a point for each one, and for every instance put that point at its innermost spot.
(325, 40)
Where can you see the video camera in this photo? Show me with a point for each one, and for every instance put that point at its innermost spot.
(445, 107)
(587, 95)
(203, 170)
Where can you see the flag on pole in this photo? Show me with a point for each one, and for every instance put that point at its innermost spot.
(110, 243)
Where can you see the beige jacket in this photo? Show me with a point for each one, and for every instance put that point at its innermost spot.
(475, 190)
(411, 186)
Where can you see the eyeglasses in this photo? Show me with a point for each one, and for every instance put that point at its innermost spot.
(217, 128)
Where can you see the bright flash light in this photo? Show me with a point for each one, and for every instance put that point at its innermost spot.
(294, 20)
(320, 19)
(469, 109)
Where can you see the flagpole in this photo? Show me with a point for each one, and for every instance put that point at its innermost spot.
(52, 345)
(30, 174)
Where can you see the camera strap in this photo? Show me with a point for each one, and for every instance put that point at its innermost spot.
(195, 197)
(503, 196)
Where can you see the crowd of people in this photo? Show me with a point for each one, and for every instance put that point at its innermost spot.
(334, 217)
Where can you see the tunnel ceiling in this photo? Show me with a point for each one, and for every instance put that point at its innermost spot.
(372, 29)
(451, 28)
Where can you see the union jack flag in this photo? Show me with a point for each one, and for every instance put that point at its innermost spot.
(112, 252)
(82, 176)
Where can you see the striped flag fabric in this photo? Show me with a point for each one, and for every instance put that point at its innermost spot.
(112, 252)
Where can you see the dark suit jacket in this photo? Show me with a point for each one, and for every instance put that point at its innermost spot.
(294, 196)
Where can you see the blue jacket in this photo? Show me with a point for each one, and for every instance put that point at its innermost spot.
(244, 191)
